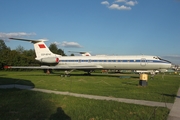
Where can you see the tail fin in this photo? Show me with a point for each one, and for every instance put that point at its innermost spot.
(85, 53)
(41, 50)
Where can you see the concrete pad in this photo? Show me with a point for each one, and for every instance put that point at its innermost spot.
(175, 111)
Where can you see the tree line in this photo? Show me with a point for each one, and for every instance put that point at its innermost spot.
(22, 57)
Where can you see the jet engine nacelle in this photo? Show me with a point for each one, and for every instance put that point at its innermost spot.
(163, 70)
(50, 60)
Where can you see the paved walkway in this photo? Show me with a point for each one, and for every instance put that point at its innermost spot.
(175, 111)
(133, 101)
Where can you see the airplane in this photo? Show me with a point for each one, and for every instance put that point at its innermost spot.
(82, 53)
(91, 63)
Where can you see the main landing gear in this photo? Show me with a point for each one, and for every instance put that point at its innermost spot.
(88, 72)
(67, 73)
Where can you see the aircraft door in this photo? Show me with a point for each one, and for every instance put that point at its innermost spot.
(143, 62)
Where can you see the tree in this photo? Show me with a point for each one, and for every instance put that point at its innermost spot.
(29, 53)
(61, 52)
(30, 56)
(4, 51)
(2, 45)
(20, 49)
(72, 54)
(53, 48)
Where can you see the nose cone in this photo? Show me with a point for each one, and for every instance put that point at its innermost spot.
(168, 63)
(171, 65)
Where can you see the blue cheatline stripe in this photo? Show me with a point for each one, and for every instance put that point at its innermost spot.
(115, 61)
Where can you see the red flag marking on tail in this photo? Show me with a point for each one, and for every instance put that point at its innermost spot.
(42, 46)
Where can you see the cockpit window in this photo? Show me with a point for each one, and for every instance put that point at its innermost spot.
(156, 57)
(162, 59)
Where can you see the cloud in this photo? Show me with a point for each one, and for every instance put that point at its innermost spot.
(131, 3)
(5, 36)
(68, 44)
(105, 3)
(120, 1)
(116, 6)
(120, 4)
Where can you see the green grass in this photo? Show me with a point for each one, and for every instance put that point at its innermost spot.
(28, 105)
(162, 90)
(22, 104)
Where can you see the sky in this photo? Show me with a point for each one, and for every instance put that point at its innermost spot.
(108, 27)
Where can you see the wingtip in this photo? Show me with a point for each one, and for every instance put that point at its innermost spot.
(7, 67)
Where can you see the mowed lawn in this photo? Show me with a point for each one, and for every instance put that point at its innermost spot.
(28, 105)
(161, 88)
(23, 104)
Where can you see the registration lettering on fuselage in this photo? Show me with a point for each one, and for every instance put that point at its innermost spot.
(45, 54)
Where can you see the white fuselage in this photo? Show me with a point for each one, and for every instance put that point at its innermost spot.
(140, 62)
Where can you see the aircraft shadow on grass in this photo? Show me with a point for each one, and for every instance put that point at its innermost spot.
(34, 104)
(73, 74)
(111, 74)
(101, 74)
(59, 115)
(133, 83)
(12, 81)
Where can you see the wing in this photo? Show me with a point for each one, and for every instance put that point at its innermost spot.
(62, 67)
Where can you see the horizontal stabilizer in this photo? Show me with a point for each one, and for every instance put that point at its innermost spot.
(28, 40)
